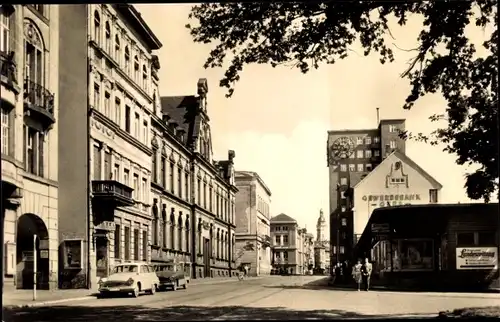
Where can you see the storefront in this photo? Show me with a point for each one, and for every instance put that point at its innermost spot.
(433, 246)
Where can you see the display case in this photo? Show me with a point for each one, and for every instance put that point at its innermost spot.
(73, 254)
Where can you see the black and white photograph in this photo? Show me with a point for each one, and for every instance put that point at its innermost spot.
(317, 160)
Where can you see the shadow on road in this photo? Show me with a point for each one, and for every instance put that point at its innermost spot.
(323, 284)
(173, 313)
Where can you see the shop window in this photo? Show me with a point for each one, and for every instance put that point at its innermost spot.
(416, 254)
(487, 238)
(465, 239)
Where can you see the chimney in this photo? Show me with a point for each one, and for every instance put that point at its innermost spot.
(378, 116)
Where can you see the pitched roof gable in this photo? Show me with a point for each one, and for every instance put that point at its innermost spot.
(403, 157)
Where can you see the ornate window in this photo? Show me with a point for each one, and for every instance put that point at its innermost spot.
(5, 130)
(217, 240)
(164, 225)
(97, 27)
(187, 235)
(4, 31)
(34, 150)
(145, 78)
(127, 60)
(117, 48)
(136, 69)
(107, 34)
(180, 228)
(172, 230)
(34, 54)
(155, 221)
(179, 180)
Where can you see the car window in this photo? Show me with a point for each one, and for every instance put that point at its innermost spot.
(144, 269)
(125, 269)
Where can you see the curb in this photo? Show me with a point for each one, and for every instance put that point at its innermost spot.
(45, 303)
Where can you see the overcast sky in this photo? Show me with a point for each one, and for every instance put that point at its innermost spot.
(278, 118)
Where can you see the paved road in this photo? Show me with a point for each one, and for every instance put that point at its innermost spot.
(276, 297)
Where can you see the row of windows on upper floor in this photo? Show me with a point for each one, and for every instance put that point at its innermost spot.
(360, 167)
(111, 104)
(107, 37)
(367, 140)
(215, 203)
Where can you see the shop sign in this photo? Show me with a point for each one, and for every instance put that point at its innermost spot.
(477, 257)
(106, 225)
(393, 197)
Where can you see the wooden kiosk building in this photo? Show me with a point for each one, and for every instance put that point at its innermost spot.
(438, 246)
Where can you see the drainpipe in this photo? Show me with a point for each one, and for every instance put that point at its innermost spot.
(89, 190)
(194, 224)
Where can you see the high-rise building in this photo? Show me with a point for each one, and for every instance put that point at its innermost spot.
(253, 208)
(29, 49)
(367, 148)
(369, 169)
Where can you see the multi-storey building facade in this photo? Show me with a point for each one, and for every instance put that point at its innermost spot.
(193, 196)
(121, 102)
(287, 240)
(309, 251)
(369, 147)
(253, 206)
(375, 169)
(29, 48)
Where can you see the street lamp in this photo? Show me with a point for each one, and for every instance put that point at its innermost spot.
(341, 149)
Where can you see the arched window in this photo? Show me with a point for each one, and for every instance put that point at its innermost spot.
(127, 60)
(187, 236)
(217, 254)
(117, 48)
(136, 69)
(179, 236)
(36, 94)
(107, 35)
(172, 231)
(97, 27)
(144, 77)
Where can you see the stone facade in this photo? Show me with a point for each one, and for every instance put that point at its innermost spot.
(29, 106)
(253, 203)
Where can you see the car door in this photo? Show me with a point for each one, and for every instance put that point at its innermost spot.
(143, 275)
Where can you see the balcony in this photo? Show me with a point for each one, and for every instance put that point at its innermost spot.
(8, 77)
(39, 102)
(112, 193)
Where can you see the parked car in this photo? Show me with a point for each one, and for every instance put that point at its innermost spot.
(171, 275)
(130, 278)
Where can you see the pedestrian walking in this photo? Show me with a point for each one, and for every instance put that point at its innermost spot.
(356, 274)
(366, 271)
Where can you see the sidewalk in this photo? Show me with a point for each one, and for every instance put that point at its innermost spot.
(24, 298)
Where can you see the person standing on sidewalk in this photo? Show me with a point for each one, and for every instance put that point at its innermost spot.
(366, 272)
(356, 274)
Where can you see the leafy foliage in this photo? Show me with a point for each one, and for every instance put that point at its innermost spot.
(305, 34)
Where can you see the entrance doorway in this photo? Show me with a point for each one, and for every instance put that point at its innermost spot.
(29, 225)
(101, 245)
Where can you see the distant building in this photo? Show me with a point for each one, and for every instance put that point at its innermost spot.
(320, 246)
(309, 252)
(253, 206)
(287, 243)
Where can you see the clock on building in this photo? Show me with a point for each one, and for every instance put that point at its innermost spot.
(341, 148)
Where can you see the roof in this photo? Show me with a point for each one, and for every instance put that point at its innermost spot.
(433, 216)
(140, 25)
(252, 174)
(182, 111)
(282, 218)
(403, 157)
